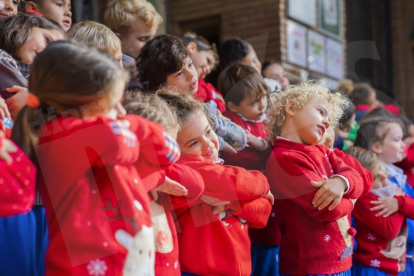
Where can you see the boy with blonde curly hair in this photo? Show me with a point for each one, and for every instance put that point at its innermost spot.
(135, 22)
(305, 179)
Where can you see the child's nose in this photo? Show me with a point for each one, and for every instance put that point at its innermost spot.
(326, 123)
(68, 12)
(9, 5)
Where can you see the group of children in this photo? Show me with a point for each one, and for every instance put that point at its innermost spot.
(122, 154)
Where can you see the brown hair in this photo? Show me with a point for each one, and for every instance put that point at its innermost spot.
(97, 35)
(361, 93)
(202, 45)
(16, 29)
(160, 57)
(346, 86)
(365, 157)
(182, 105)
(120, 15)
(238, 81)
(153, 108)
(67, 78)
(374, 130)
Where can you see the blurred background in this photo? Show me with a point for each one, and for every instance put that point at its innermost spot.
(369, 41)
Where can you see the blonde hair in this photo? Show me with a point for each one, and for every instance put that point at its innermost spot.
(301, 95)
(120, 14)
(366, 158)
(96, 35)
(153, 108)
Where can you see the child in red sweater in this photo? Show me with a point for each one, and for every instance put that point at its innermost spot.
(216, 225)
(98, 210)
(307, 178)
(205, 58)
(169, 194)
(246, 100)
(17, 179)
(382, 240)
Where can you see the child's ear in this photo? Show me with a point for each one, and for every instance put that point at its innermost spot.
(377, 148)
(290, 108)
(192, 47)
(30, 6)
(232, 107)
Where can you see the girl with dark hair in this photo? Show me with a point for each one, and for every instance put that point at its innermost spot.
(23, 37)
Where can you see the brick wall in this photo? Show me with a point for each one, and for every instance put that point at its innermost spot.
(402, 23)
(256, 21)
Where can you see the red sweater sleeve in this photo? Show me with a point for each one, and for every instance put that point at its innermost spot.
(105, 141)
(353, 172)
(190, 179)
(406, 206)
(157, 148)
(256, 212)
(229, 182)
(409, 160)
(365, 174)
(388, 228)
(17, 185)
(292, 180)
(151, 180)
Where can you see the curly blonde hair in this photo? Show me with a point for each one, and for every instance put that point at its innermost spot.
(120, 14)
(301, 95)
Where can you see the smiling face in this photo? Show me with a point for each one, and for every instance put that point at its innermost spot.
(308, 124)
(276, 72)
(197, 138)
(391, 149)
(36, 42)
(138, 35)
(185, 80)
(203, 60)
(59, 11)
(8, 8)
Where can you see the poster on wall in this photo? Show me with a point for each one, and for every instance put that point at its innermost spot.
(330, 17)
(316, 52)
(296, 43)
(334, 59)
(303, 11)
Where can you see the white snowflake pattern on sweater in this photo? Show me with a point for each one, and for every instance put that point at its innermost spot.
(375, 263)
(327, 238)
(97, 267)
(371, 236)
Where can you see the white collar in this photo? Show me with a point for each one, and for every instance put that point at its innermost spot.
(261, 120)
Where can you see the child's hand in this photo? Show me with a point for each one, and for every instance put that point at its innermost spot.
(172, 187)
(330, 191)
(388, 206)
(18, 101)
(399, 192)
(229, 148)
(4, 111)
(270, 197)
(253, 141)
(6, 148)
(219, 205)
